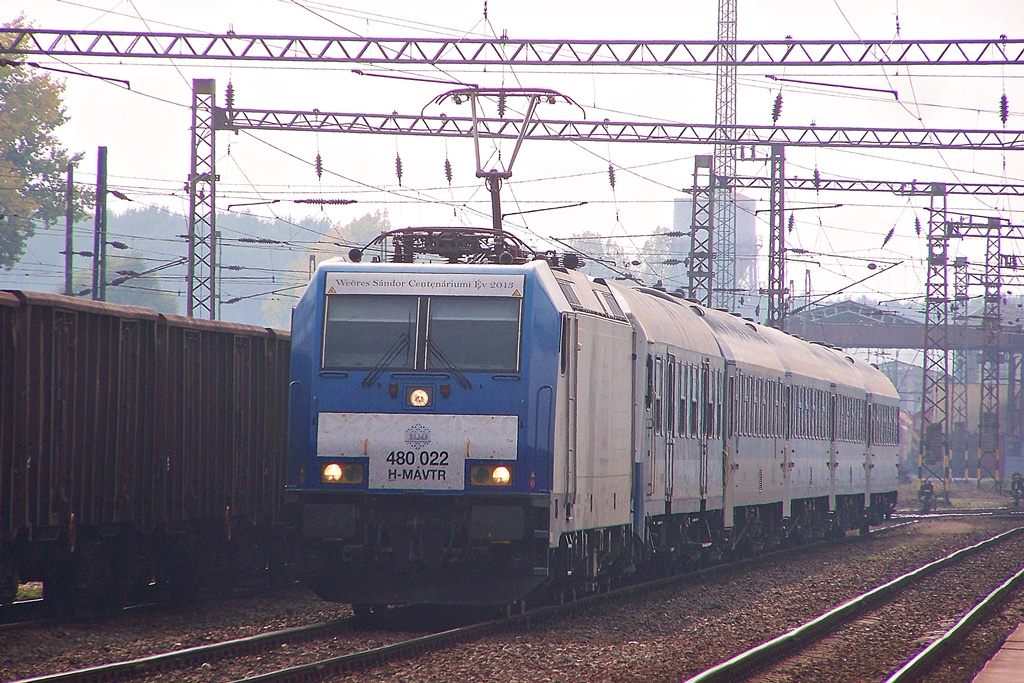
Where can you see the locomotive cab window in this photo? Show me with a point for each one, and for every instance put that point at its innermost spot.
(458, 324)
(362, 330)
(470, 334)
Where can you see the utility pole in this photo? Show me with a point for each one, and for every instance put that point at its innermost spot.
(777, 292)
(69, 220)
(99, 244)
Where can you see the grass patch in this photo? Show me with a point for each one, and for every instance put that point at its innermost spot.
(30, 591)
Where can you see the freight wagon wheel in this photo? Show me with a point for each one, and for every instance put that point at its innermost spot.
(60, 593)
(8, 581)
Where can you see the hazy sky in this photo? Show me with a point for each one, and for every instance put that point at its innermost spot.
(146, 129)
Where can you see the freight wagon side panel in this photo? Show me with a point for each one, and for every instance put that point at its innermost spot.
(244, 414)
(11, 516)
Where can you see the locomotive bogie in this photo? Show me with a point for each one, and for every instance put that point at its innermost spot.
(385, 550)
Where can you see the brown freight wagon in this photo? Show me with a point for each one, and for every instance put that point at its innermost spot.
(136, 449)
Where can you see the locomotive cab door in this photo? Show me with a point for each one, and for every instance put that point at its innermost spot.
(570, 358)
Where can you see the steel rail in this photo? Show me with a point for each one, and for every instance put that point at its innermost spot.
(932, 655)
(744, 664)
(192, 655)
(508, 51)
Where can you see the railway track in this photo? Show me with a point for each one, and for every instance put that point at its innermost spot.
(775, 654)
(194, 656)
(324, 667)
(997, 513)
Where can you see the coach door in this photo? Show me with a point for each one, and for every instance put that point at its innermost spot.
(834, 409)
(724, 448)
(705, 426)
(785, 451)
(671, 403)
(657, 478)
(869, 445)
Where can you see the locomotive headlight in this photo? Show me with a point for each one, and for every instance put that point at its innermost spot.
(501, 476)
(419, 397)
(490, 475)
(331, 473)
(353, 473)
(342, 473)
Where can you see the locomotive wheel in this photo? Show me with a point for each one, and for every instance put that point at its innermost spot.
(366, 610)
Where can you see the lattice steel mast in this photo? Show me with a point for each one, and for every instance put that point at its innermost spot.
(958, 362)
(933, 454)
(723, 224)
(701, 229)
(202, 216)
(990, 453)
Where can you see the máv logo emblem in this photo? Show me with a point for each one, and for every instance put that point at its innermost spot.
(417, 436)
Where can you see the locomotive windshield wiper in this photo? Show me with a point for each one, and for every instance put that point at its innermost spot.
(449, 365)
(389, 356)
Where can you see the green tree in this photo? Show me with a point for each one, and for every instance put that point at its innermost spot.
(333, 243)
(356, 233)
(33, 165)
(360, 231)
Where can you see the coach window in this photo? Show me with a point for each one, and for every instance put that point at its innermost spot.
(456, 324)
(694, 401)
(773, 410)
(684, 384)
(762, 407)
(659, 384)
(831, 410)
(759, 411)
(713, 403)
(799, 413)
(718, 404)
(365, 330)
(670, 390)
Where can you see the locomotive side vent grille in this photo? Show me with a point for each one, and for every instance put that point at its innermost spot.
(570, 294)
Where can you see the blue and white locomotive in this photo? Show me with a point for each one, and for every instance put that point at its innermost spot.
(475, 428)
